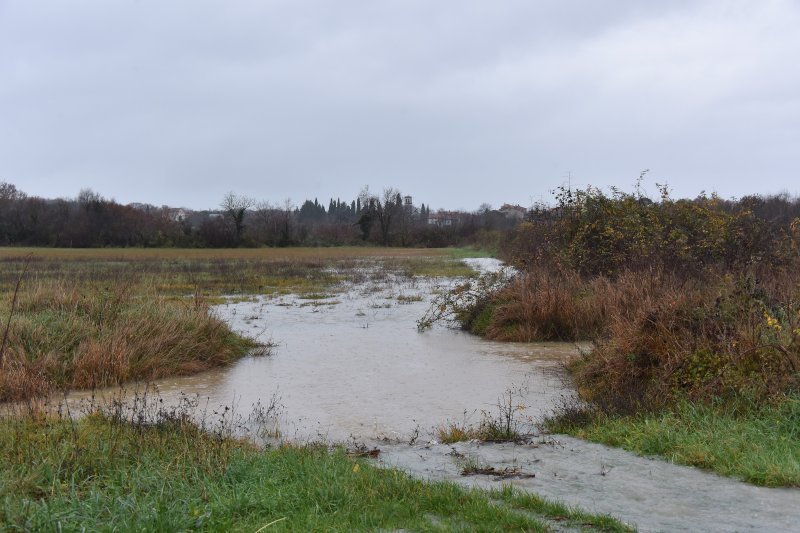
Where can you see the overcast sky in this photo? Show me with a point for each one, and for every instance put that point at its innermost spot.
(455, 102)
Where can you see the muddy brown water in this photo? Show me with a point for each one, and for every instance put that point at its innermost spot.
(353, 365)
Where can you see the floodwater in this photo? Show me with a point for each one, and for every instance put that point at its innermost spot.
(353, 365)
(652, 494)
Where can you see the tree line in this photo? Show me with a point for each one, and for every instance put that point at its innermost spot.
(387, 219)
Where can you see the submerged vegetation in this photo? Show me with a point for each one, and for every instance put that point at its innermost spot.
(692, 306)
(507, 423)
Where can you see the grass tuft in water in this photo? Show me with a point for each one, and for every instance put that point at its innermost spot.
(507, 423)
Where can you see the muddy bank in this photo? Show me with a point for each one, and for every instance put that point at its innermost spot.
(651, 494)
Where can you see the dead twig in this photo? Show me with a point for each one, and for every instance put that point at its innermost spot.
(364, 452)
(13, 308)
(506, 473)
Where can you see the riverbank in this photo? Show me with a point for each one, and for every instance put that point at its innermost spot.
(699, 371)
(757, 444)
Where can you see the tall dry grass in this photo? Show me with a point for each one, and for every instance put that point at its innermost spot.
(725, 336)
(65, 337)
(659, 336)
(558, 304)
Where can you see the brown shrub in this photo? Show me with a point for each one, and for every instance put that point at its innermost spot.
(659, 336)
(722, 337)
(547, 304)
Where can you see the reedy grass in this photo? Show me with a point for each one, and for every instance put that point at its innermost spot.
(102, 473)
(506, 424)
(65, 338)
(759, 444)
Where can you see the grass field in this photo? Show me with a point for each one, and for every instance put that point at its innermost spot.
(213, 272)
(206, 254)
(89, 318)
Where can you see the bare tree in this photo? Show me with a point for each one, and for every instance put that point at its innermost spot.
(274, 222)
(384, 210)
(9, 191)
(234, 207)
(285, 222)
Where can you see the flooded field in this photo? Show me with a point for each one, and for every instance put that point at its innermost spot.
(352, 364)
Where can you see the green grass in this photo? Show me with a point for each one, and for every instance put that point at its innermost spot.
(469, 253)
(435, 267)
(104, 474)
(569, 516)
(760, 445)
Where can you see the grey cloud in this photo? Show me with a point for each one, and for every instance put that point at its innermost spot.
(456, 103)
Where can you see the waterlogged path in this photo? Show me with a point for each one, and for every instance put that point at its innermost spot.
(652, 494)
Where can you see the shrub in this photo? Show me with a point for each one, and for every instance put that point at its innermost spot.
(694, 299)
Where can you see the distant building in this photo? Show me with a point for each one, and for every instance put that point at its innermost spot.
(408, 205)
(443, 219)
(514, 212)
(178, 214)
